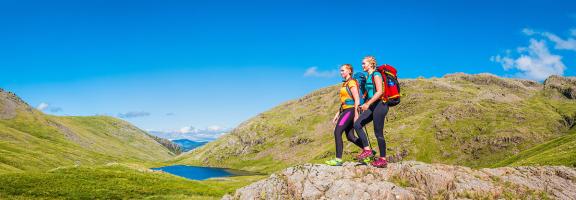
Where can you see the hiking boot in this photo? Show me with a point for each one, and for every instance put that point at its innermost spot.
(369, 159)
(365, 154)
(380, 162)
(334, 162)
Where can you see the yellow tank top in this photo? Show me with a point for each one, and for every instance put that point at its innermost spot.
(345, 97)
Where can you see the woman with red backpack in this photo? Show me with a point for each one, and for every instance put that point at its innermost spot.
(374, 109)
(347, 115)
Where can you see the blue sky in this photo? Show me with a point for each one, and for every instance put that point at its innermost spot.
(174, 65)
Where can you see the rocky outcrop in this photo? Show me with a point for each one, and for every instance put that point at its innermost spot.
(564, 85)
(10, 103)
(413, 180)
(173, 147)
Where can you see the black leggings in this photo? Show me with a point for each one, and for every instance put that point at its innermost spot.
(377, 113)
(345, 124)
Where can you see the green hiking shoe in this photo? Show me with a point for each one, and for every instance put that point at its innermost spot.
(334, 162)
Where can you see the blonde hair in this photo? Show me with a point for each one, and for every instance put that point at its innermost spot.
(371, 61)
(349, 67)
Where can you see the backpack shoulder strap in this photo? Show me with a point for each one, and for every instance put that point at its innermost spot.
(383, 83)
(348, 88)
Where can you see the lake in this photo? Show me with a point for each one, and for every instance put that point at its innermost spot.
(202, 173)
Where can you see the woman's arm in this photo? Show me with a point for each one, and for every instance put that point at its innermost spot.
(335, 119)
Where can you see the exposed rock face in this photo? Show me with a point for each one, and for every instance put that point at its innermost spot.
(413, 180)
(173, 147)
(9, 104)
(565, 85)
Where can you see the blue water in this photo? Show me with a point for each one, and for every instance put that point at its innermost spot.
(201, 173)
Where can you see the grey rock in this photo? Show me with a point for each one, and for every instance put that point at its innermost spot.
(413, 180)
(564, 85)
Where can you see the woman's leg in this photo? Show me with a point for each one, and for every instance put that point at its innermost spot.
(364, 118)
(343, 122)
(380, 113)
(351, 137)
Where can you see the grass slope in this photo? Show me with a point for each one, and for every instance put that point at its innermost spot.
(559, 151)
(471, 120)
(32, 141)
(52, 157)
(113, 181)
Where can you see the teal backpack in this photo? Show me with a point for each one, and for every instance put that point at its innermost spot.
(360, 78)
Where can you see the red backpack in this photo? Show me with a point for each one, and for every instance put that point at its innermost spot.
(391, 85)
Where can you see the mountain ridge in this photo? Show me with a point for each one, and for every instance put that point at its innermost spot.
(474, 120)
(32, 140)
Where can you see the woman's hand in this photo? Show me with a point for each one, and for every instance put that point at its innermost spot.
(335, 120)
(364, 107)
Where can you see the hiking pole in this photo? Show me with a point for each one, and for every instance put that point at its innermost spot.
(365, 131)
(367, 137)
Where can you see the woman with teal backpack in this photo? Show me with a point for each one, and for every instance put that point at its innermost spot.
(374, 109)
(348, 113)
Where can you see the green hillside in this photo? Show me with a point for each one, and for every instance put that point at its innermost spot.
(99, 157)
(33, 141)
(558, 151)
(471, 120)
(113, 181)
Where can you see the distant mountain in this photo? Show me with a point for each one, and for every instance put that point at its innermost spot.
(187, 145)
(33, 141)
(191, 134)
(471, 120)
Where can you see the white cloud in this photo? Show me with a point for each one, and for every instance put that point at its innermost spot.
(564, 44)
(42, 106)
(47, 107)
(560, 43)
(313, 72)
(528, 31)
(534, 62)
(187, 129)
(215, 128)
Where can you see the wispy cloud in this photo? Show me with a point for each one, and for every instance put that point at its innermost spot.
(133, 114)
(42, 106)
(189, 132)
(536, 61)
(314, 72)
(215, 128)
(568, 43)
(528, 31)
(47, 107)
